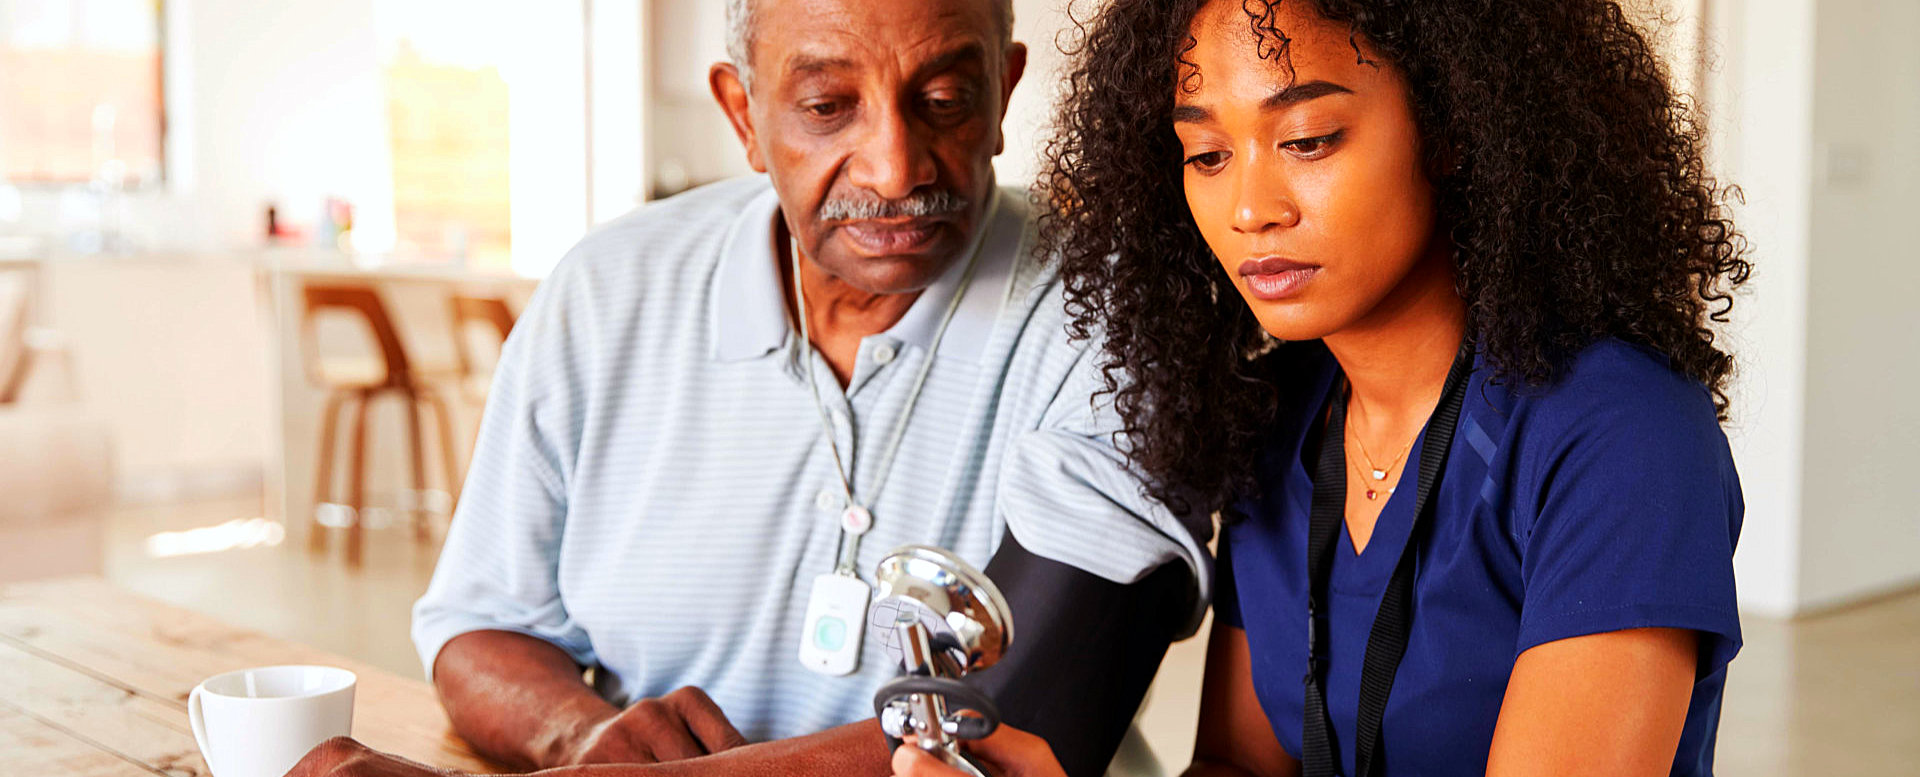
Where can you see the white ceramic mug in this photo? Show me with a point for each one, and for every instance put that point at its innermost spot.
(260, 722)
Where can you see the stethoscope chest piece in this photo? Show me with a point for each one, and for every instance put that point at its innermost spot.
(939, 619)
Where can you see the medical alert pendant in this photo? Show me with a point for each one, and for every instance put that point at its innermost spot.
(836, 623)
(856, 521)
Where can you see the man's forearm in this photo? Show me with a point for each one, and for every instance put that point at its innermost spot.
(517, 700)
(852, 750)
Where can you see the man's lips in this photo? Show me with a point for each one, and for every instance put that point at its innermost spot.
(1274, 278)
(891, 236)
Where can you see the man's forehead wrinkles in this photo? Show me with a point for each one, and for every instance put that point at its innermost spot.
(940, 50)
(905, 36)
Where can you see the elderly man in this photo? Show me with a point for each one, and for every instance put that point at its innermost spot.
(727, 400)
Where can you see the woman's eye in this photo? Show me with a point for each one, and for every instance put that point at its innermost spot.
(1314, 147)
(1208, 162)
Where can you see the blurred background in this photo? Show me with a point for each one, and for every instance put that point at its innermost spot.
(256, 260)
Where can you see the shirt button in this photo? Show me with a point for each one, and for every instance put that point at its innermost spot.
(884, 353)
(827, 500)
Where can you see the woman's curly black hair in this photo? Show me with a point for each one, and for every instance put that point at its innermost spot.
(1567, 172)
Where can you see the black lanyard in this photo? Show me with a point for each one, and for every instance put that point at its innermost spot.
(1387, 642)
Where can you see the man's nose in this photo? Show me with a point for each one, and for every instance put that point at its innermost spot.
(893, 156)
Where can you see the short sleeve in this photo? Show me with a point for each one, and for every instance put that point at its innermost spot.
(1070, 495)
(498, 570)
(1226, 593)
(1638, 510)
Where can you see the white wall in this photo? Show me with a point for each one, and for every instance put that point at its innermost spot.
(1039, 24)
(621, 90)
(691, 141)
(1861, 528)
(277, 101)
(1762, 118)
(1817, 118)
(170, 353)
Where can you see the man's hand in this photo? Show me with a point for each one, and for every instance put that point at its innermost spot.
(1010, 752)
(680, 725)
(343, 757)
(520, 701)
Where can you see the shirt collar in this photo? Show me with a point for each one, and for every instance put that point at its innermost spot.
(748, 306)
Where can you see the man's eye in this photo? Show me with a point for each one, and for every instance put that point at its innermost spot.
(825, 109)
(947, 103)
(1208, 162)
(1314, 147)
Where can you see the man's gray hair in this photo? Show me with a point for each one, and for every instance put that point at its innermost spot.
(743, 22)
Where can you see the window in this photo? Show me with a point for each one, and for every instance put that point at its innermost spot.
(488, 128)
(80, 91)
(447, 126)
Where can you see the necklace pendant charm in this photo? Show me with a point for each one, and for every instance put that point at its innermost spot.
(1379, 474)
(1372, 494)
(856, 520)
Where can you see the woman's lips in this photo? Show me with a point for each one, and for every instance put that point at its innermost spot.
(891, 237)
(1273, 278)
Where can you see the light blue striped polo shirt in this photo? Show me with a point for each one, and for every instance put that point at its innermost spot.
(653, 492)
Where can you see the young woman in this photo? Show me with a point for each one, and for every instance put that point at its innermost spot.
(1420, 294)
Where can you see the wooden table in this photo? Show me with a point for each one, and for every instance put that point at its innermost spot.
(94, 682)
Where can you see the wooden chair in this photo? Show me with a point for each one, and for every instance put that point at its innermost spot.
(394, 375)
(470, 311)
(16, 292)
(26, 350)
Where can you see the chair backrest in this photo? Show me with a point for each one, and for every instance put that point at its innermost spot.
(16, 298)
(364, 301)
(468, 310)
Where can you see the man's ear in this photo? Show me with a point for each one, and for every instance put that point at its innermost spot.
(724, 79)
(1016, 66)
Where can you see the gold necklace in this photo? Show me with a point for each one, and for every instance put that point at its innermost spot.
(1378, 472)
(1372, 493)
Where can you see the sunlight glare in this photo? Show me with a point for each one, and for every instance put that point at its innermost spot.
(237, 534)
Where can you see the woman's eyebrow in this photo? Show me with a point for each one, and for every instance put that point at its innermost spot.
(1191, 114)
(1285, 98)
(1299, 93)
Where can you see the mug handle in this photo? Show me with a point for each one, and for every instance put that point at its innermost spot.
(196, 719)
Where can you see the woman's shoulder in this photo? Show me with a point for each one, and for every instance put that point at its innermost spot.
(1616, 384)
(1618, 418)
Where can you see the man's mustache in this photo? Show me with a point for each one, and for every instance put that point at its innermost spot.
(915, 205)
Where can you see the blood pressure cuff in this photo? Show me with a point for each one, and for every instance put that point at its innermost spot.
(1084, 651)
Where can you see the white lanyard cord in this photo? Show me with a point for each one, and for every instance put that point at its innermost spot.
(846, 556)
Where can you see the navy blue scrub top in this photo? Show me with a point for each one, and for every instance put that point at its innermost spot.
(1606, 500)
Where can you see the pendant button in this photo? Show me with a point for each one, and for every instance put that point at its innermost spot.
(856, 520)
